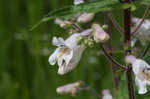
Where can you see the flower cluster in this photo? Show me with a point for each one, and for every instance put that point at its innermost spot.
(141, 71)
(69, 51)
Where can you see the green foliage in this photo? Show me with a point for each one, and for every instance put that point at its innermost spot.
(91, 7)
(24, 69)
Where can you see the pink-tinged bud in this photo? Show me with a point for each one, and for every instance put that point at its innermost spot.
(85, 18)
(86, 32)
(106, 94)
(71, 88)
(99, 34)
(62, 23)
(106, 91)
(130, 59)
(77, 2)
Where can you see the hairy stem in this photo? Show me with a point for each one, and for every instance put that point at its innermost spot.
(127, 41)
(110, 49)
(144, 17)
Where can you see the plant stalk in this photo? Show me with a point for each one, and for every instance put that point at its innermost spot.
(127, 42)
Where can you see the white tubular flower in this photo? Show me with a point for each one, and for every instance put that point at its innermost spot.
(140, 69)
(71, 88)
(68, 53)
(99, 34)
(85, 18)
(77, 2)
(62, 23)
(106, 94)
(143, 34)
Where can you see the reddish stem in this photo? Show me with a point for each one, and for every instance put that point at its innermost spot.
(144, 17)
(145, 51)
(127, 42)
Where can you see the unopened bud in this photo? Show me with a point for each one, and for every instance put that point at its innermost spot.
(130, 59)
(71, 88)
(99, 34)
(87, 32)
(91, 43)
(79, 40)
(85, 18)
(106, 94)
(86, 42)
(105, 27)
(133, 7)
(77, 2)
(62, 23)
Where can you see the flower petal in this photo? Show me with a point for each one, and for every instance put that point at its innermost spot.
(141, 86)
(53, 58)
(58, 42)
(68, 56)
(67, 67)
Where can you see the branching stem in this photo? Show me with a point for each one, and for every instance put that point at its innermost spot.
(145, 51)
(111, 58)
(144, 17)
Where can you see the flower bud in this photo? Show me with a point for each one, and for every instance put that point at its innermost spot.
(99, 34)
(106, 94)
(80, 39)
(71, 88)
(62, 23)
(130, 59)
(91, 43)
(77, 2)
(86, 32)
(85, 18)
(86, 42)
(105, 27)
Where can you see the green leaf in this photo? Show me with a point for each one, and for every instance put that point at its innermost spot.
(90, 7)
(145, 2)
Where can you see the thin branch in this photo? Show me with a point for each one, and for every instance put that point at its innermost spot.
(111, 58)
(115, 23)
(144, 17)
(76, 27)
(145, 51)
(110, 49)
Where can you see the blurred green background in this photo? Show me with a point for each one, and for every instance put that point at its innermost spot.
(24, 69)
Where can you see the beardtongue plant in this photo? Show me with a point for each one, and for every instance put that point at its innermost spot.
(86, 32)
